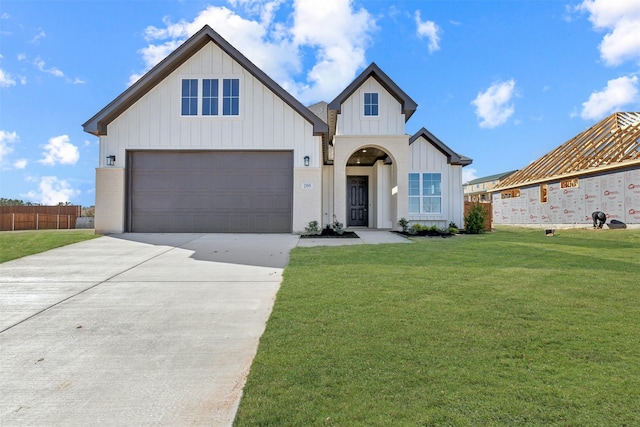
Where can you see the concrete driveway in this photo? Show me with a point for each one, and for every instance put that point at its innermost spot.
(147, 329)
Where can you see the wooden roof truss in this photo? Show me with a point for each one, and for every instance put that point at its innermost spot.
(613, 142)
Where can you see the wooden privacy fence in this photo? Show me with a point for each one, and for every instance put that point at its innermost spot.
(13, 218)
(488, 222)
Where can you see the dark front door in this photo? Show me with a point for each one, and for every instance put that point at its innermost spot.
(357, 201)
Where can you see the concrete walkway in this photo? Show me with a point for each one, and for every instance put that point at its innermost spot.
(368, 237)
(139, 329)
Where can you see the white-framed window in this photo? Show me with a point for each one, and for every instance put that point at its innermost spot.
(425, 193)
(209, 98)
(189, 97)
(370, 104)
(230, 97)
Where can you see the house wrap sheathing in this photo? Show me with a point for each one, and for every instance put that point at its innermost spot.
(597, 170)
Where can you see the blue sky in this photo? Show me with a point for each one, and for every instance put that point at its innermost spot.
(502, 82)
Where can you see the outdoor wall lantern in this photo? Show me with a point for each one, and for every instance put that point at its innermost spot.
(111, 160)
(306, 160)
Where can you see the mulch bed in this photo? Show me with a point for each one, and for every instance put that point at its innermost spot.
(328, 233)
(425, 233)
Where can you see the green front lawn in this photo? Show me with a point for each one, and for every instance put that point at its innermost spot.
(16, 244)
(507, 328)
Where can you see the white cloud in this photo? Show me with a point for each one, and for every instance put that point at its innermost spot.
(6, 79)
(59, 150)
(618, 93)
(430, 30)
(41, 34)
(468, 174)
(40, 65)
(339, 53)
(278, 47)
(493, 106)
(621, 20)
(6, 138)
(20, 163)
(52, 191)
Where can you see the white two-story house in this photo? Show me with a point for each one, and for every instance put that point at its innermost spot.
(207, 142)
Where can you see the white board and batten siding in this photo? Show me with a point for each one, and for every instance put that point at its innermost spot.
(352, 121)
(425, 158)
(265, 121)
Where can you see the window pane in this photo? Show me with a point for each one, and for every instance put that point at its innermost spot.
(189, 104)
(185, 106)
(371, 104)
(414, 184)
(431, 183)
(231, 97)
(431, 204)
(210, 97)
(414, 204)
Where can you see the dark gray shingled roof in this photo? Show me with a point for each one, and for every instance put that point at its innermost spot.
(408, 105)
(453, 158)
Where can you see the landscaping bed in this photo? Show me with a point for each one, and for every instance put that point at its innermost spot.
(330, 233)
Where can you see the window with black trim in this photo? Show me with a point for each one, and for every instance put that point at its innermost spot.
(371, 104)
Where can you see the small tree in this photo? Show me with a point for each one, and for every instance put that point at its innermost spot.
(475, 219)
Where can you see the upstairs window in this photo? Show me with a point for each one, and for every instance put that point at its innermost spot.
(370, 104)
(210, 97)
(210, 100)
(231, 97)
(425, 193)
(190, 97)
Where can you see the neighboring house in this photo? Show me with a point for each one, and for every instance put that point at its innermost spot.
(207, 142)
(477, 190)
(597, 170)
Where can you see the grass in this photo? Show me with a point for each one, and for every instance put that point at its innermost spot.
(17, 244)
(506, 328)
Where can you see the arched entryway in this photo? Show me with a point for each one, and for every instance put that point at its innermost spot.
(368, 174)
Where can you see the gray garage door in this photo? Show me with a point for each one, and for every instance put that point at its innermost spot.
(210, 192)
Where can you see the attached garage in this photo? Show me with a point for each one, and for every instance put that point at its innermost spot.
(209, 191)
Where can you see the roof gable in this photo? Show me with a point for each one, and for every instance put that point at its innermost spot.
(611, 143)
(97, 125)
(407, 104)
(453, 158)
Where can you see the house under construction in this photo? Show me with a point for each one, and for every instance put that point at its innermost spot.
(597, 170)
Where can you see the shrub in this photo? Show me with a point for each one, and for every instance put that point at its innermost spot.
(475, 218)
(404, 224)
(338, 227)
(312, 228)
